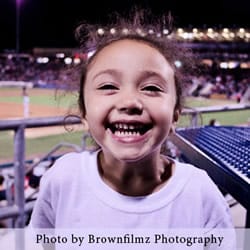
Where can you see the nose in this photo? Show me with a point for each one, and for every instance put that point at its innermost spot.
(130, 104)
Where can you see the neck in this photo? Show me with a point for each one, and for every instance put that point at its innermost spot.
(135, 178)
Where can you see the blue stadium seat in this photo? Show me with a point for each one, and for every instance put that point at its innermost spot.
(227, 145)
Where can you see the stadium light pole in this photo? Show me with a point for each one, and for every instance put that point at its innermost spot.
(18, 5)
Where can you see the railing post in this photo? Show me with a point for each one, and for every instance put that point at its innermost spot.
(194, 119)
(19, 168)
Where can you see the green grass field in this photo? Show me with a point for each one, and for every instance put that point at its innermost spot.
(41, 97)
(41, 145)
(224, 118)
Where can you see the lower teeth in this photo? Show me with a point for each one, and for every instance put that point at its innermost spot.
(127, 133)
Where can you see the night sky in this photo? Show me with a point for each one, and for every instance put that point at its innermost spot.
(50, 23)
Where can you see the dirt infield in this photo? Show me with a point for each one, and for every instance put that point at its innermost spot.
(13, 107)
(15, 110)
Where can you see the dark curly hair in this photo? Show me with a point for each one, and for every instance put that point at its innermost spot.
(1, 179)
(142, 26)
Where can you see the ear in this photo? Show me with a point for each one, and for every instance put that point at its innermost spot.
(176, 116)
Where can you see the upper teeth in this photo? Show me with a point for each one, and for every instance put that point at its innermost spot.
(126, 126)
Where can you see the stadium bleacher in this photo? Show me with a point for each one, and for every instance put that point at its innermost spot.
(224, 152)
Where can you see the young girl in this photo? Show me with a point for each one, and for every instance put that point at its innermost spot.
(130, 99)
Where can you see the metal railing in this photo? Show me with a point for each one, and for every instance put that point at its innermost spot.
(18, 209)
(195, 113)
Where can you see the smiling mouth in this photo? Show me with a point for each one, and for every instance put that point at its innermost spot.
(129, 129)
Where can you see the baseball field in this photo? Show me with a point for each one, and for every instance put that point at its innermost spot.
(47, 103)
(43, 103)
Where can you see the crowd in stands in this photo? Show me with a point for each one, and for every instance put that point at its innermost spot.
(29, 70)
(54, 72)
(226, 86)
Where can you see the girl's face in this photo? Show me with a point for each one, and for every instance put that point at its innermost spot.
(130, 98)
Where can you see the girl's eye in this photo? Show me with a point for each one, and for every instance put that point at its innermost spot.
(152, 88)
(108, 87)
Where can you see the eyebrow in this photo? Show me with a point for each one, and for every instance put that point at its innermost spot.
(142, 75)
(147, 74)
(112, 72)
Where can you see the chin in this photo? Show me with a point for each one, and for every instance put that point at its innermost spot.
(129, 156)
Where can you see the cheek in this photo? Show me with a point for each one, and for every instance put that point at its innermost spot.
(95, 114)
(165, 122)
(164, 115)
(95, 127)
(92, 106)
(165, 106)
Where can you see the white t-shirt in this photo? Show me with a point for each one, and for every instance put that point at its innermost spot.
(73, 195)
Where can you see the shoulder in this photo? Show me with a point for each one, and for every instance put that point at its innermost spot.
(200, 184)
(68, 167)
(72, 161)
(65, 164)
(205, 192)
(197, 178)
(191, 173)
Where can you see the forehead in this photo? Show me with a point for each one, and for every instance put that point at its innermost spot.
(129, 43)
(129, 53)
